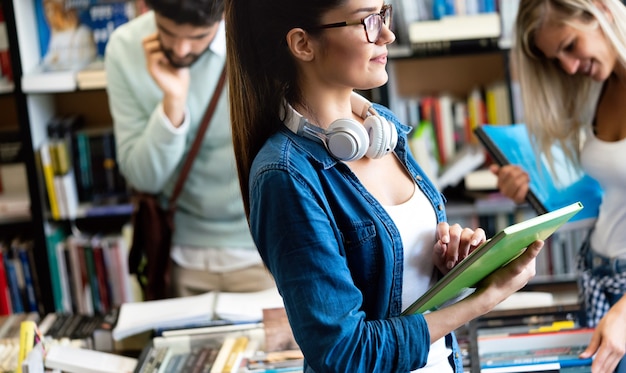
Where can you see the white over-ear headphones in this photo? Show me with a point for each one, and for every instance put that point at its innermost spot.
(346, 139)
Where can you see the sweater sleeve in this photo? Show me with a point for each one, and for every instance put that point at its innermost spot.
(149, 148)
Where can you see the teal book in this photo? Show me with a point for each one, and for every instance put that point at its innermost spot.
(494, 253)
(511, 145)
(53, 238)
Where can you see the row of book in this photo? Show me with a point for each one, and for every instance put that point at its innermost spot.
(531, 339)
(78, 166)
(74, 343)
(443, 126)
(89, 273)
(20, 289)
(437, 25)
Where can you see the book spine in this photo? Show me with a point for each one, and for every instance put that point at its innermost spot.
(28, 330)
(5, 58)
(48, 173)
(12, 279)
(5, 295)
(28, 281)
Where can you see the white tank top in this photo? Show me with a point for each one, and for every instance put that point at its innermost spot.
(416, 221)
(606, 162)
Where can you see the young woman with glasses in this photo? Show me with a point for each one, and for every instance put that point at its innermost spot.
(344, 218)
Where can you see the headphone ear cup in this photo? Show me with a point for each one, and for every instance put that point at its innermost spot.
(347, 140)
(382, 136)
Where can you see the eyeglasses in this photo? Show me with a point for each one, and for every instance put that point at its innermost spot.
(372, 24)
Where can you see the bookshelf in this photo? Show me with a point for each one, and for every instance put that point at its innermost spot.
(29, 103)
(34, 98)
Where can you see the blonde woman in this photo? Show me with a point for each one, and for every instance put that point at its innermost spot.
(570, 57)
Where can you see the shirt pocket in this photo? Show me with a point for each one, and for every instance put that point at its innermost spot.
(360, 243)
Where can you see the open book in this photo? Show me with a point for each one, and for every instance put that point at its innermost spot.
(511, 145)
(505, 246)
(138, 317)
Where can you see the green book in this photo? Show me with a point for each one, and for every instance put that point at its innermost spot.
(505, 246)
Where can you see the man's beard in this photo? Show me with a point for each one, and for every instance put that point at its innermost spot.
(180, 63)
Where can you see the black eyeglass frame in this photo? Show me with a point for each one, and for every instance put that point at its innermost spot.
(385, 9)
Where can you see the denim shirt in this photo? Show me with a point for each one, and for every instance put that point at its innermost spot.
(337, 257)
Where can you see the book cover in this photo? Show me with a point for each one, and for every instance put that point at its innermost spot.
(73, 33)
(505, 246)
(241, 309)
(66, 43)
(511, 145)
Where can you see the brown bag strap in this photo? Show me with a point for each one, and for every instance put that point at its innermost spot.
(198, 140)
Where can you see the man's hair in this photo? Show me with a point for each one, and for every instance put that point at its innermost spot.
(190, 12)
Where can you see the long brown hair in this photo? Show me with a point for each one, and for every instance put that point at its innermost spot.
(262, 73)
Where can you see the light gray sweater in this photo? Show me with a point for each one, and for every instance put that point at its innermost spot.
(151, 151)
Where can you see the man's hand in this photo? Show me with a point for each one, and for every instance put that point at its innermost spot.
(174, 82)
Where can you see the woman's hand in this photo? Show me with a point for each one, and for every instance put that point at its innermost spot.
(454, 244)
(492, 290)
(608, 342)
(512, 277)
(512, 181)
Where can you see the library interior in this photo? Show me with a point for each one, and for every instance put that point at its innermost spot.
(70, 301)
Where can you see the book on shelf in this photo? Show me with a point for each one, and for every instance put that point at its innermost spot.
(219, 352)
(505, 246)
(510, 144)
(451, 47)
(456, 27)
(6, 73)
(137, 317)
(29, 337)
(72, 35)
(469, 158)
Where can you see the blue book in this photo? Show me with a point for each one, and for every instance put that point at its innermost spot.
(511, 145)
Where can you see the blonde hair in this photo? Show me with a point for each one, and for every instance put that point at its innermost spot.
(557, 106)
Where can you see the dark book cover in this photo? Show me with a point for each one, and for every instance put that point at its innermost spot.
(104, 290)
(92, 278)
(29, 285)
(13, 282)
